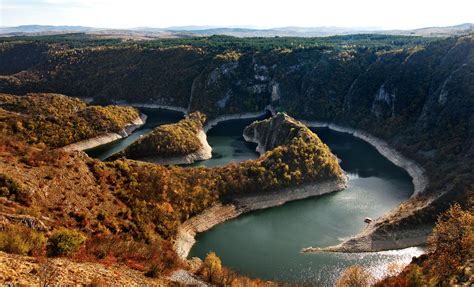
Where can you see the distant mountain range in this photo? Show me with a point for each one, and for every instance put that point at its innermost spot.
(183, 31)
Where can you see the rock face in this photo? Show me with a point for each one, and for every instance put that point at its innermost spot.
(180, 143)
(273, 132)
(25, 220)
(384, 103)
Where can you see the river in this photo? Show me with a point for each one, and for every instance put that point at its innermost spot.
(267, 243)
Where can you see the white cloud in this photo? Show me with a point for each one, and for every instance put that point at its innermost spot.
(402, 14)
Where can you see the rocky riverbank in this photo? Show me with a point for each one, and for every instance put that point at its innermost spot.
(415, 171)
(108, 137)
(220, 213)
(373, 238)
(271, 133)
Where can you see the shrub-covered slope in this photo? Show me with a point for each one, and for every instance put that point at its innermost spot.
(127, 212)
(172, 140)
(57, 120)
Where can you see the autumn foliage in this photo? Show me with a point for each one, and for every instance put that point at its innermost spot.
(450, 253)
(57, 120)
(169, 140)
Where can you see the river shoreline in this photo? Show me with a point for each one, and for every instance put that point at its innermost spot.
(108, 137)
(203, 153)
(154, 106)
(371, 238)
(220, 213)
(416, 172)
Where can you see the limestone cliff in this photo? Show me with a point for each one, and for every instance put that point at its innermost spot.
(276, 131)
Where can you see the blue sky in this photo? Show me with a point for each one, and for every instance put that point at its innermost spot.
(398, 14)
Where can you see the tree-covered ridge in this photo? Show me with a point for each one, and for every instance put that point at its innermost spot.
(57, 120)
(170, 140)
(294, 155)
(196, 72)
(128, 211)
(223, 42)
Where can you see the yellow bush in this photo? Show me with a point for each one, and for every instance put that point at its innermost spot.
(21, 240)
(64, 242)
(354, 276)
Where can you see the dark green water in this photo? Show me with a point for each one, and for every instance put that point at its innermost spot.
(228, 143)
(267, 243)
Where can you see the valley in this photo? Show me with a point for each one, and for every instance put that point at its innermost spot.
(409, 97)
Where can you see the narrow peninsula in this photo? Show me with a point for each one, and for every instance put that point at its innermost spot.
(294, 164)
(180, 143)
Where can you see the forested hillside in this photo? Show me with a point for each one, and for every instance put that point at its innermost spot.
(416, 93)
(57, 120)
(59, 203)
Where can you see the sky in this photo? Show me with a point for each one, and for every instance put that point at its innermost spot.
(381, 14)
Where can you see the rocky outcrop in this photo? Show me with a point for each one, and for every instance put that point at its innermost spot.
(273, 132)
(22, 219)
(186, 278)
(384, 103)
(275, 95)
(108, 137)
